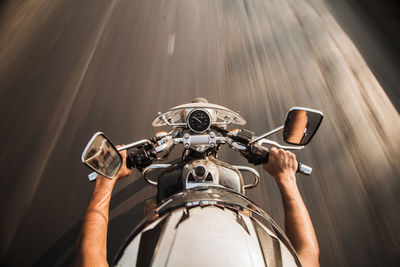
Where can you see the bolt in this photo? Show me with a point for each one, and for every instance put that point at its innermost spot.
(186, 136)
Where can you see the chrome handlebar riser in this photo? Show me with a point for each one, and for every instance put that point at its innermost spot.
(209, 140)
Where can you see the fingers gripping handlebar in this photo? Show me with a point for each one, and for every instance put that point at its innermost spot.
(257, 155)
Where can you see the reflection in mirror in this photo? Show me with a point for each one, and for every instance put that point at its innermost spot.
(102, 156)
(301, 124)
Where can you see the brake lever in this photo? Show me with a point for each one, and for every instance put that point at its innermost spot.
(269, 142)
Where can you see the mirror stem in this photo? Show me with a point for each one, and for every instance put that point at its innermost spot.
(280, 128)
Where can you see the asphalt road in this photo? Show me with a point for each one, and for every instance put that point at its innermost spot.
(71, 68)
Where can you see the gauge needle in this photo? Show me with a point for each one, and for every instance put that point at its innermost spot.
(197, 119)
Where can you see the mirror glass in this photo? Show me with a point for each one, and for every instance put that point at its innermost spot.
(102, 156)
(301, 124)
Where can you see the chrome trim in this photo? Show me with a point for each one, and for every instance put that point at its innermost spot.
(162, 147)
(92, 176)
(227, 122)
(153, 167)
(252, 171)
(172, 124)
(269, 142)
(202, 139)
(189, 168)
(304, 169)
(306, 109)
(280, 128)
(196, 177)
(236, 118)
(88, 145)
(237, 146)
(135, 144)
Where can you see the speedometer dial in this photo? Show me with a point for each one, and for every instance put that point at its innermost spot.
(199, 120)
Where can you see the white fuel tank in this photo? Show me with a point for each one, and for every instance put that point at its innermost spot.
(206, 236)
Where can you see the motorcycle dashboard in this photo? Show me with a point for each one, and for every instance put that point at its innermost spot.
(183, 115)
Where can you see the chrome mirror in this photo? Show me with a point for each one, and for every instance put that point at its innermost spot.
(301, 124)
(102, 156)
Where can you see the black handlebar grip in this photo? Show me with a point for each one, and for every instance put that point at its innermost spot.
(129, 161)
(304, 169)
(257, 154)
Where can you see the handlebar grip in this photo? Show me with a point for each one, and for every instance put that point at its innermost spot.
(257, 154)
(129, 161)
(304, 169)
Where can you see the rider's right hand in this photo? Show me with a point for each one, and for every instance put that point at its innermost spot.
(282, 165)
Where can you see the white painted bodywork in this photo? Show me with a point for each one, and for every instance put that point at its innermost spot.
(210, 236)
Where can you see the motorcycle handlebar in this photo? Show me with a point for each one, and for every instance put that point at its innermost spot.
(255, 154)
(304, 169)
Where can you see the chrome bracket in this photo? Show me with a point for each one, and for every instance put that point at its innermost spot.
(253, 172)
(153, 167)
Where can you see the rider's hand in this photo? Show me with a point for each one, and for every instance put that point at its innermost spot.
(123, 171)
(282, 165)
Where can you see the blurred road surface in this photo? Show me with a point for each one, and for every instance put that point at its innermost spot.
(71, 68)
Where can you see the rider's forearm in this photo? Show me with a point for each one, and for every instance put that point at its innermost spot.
(299, 228)
(92, 242)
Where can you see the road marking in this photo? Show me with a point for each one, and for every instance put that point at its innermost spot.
(171, 44)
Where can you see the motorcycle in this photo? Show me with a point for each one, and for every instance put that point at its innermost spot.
(203, 217)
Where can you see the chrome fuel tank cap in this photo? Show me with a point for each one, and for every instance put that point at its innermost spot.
(200, 171)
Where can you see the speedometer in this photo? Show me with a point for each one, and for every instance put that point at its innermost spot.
(199, 120)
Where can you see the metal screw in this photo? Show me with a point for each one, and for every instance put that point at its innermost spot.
(186, 136)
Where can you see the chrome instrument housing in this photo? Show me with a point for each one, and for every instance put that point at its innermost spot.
(176, 116)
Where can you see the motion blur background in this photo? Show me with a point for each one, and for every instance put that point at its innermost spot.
(71, 68)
